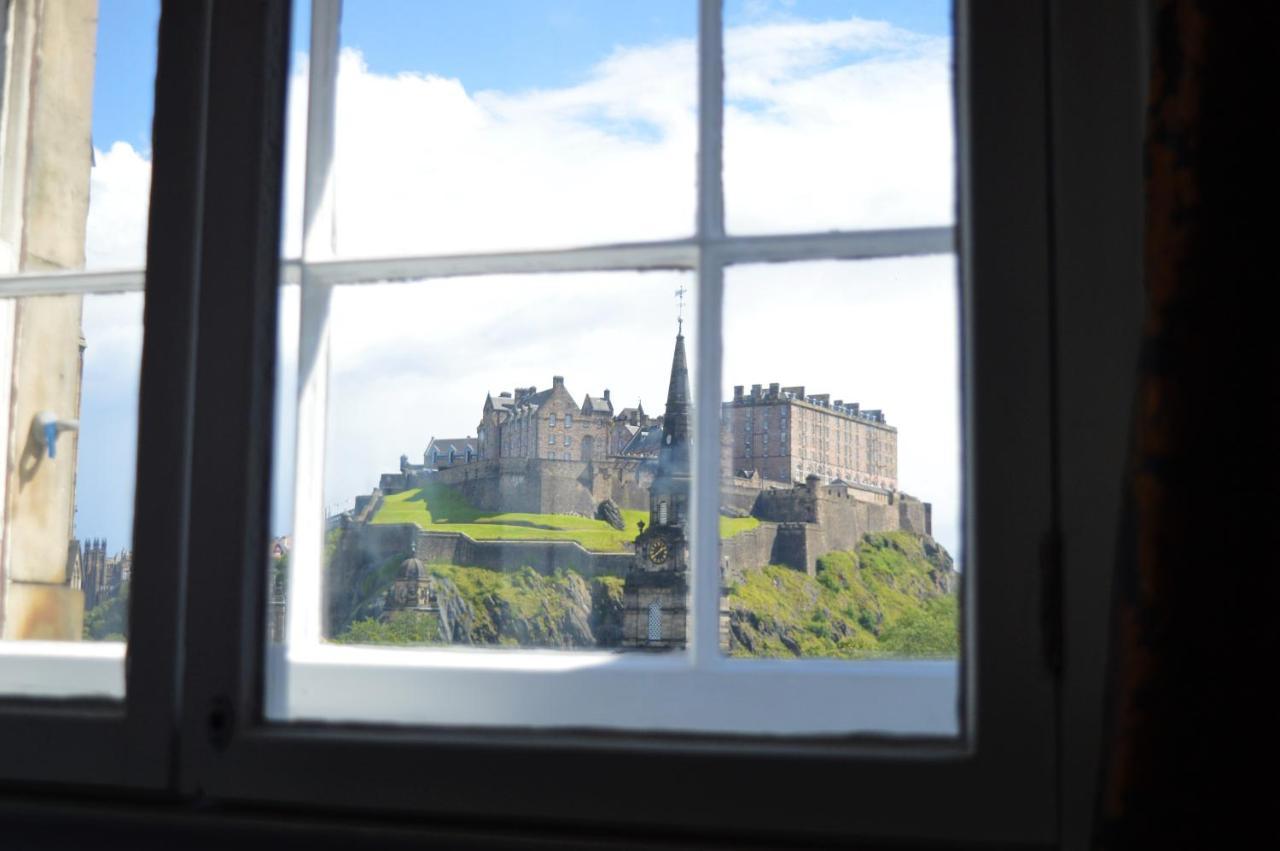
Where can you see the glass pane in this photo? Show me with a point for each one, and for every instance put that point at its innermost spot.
(512, 125)
(838, 115)
(841, 508)
(507, 463)
(74, 185)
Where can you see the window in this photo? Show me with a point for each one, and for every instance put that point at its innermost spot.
(568, 421)
(229, 754)
(655, 621)
(568, 440)
(551, 421)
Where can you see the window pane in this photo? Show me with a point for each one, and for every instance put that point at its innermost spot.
(508, 125)
(74, 189)
(842, 457)
(461, 509)
(838, 115)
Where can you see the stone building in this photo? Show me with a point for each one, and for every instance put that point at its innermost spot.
(635, 434)
(547, 425)
(444, 452)
(97, 575)
(655, 597)
(783, 434)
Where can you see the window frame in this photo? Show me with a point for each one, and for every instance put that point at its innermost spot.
(217, 258)
(996, 782)
(126, 743)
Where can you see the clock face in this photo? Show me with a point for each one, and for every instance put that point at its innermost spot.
(658, 551)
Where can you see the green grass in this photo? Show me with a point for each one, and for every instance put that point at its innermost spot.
(439, 508)
(730, 526)
(878, 600)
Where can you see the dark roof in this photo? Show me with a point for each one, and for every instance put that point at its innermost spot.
(536, 400)
(459, 445)
(501, 401)
(647, 441)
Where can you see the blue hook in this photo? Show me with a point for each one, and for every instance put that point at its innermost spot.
(51, 438)
(46, 428)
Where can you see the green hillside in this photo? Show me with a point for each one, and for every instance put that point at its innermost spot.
(439, 508)
(892, 595)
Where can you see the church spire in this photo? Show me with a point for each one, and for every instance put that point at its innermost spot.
(674, 455)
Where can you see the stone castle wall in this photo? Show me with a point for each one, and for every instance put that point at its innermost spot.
(543, 556)
(748, 551)
(539, 486)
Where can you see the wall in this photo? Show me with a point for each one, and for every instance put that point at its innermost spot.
(543, 556)
(748, 551)
(47, 154)
(551, 487)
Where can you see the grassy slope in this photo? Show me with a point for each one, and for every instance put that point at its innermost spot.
(878, 600)
(439, 508)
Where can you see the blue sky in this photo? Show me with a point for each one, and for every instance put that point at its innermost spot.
(525, 43)
(508, 46)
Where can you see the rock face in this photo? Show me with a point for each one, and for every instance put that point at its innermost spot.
(609, 512)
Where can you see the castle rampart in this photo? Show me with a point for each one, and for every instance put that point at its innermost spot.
(537, 486)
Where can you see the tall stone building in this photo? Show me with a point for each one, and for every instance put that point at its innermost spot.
(785, 435)
(655, 597)
(547, 425)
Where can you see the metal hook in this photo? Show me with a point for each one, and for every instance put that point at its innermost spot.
(47, 427)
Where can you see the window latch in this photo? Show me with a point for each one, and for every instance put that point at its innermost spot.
(46, 427)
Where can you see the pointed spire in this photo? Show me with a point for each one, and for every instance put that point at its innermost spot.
(676, 435)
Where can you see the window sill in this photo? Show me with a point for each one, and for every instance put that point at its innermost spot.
(575, 690)
(62, 669)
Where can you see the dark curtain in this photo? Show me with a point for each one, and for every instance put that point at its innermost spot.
(1188, 751)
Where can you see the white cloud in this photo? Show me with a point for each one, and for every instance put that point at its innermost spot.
(119, 189)
(835, 124)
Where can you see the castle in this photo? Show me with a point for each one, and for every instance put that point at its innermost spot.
(811, 475)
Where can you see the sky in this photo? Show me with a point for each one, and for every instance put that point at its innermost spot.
(502, 125)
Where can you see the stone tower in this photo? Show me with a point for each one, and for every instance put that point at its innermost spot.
(656, 595)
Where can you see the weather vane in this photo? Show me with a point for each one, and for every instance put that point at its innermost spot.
(680, 312)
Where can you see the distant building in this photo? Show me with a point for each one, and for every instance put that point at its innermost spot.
(784, 434)
(97, 574)
(443, 452)
(547, 425)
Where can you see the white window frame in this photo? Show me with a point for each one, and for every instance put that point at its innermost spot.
(700, 685)
(330, 684)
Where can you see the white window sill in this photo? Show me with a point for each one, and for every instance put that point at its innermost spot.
(62, 669)
(562, 689)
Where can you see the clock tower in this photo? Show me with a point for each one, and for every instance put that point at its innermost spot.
(656, 594)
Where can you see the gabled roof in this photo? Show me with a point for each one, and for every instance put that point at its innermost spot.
(498, 402)
(535, 401)
(647, 441)
(459, 446)
(597, 404)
